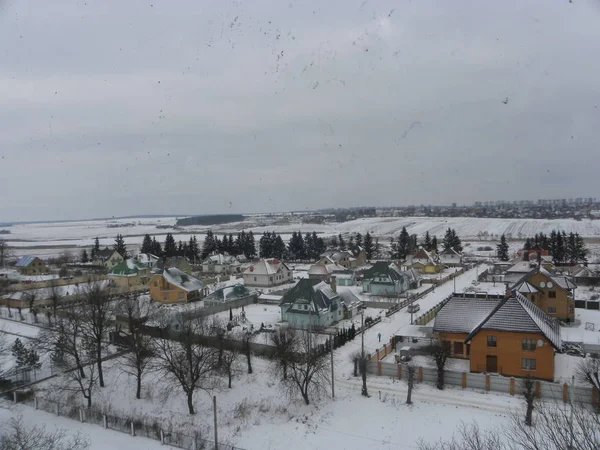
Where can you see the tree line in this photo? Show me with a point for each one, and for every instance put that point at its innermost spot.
(565, 249)
(407, 244)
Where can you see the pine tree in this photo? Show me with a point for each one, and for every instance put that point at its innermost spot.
(318, 245)
(170, 248)
(502, 249)
(359, 240)
(250, 248)
(146, 244)
(341, 242)
(25, 356)
(95, 248)
(279, 249)
(413, 244)
(427, 242)
(434, 244)
(452, 241)
(265, 245)
(334, 242)
(404, 245)
(180, 250)
(209, 245)
(84, 256)
(156, 248)
(120, 247)
(351, 245)
(368, 244)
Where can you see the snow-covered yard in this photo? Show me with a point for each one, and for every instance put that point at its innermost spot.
(586, 328)
(255, 314)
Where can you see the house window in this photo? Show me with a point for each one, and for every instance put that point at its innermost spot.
(254, 278)
(458, 348)
(528, 345)
(155, 283)
(551, 294)
(447, 346)
(271, 279)
(180, 295)
(551, 310)
(528, 364)
(492, 341)
(166, 297)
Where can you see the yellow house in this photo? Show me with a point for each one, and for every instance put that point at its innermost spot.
(423, 262)
(510, 336)
(31, 265)
(171, 285)
(553, 294)
(129, 273)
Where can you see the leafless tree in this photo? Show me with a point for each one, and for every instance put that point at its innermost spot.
(439, 354)
(230, 363)
(247, 341)
(355, 357)
(96, 312)
(55, 295)
(410, 381)
(183, 359)
(588, 371)
(557, 427)
(138, 359)
(284, 342)
(4, 253)
(30, 297)
(17, 436)
(308, 367)
(528, 384)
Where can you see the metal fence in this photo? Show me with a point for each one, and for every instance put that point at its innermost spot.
(131, 426)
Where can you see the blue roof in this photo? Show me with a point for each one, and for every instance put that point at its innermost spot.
(25, 261)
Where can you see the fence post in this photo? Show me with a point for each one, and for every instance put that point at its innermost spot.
(565, 392)
(464, 380)
(379, 368)
(35, 404)
(15, 396)
(132, 429)
(105, 421)
(420, 374)
(81, 414)
(162, 437)
(488, 383)
(512, 386)
(538, 389)
(399, 371)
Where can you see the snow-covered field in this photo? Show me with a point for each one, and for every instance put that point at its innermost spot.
(27, 238)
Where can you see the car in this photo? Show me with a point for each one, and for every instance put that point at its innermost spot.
(413, 308)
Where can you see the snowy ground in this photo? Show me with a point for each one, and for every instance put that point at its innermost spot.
(578, 332)
(256, 314)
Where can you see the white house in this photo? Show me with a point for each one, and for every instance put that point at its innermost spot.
(221, 263)
(450, 257)
(147, 259)
(268, 273)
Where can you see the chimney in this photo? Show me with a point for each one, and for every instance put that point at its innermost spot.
(333, 284)
(526, 255)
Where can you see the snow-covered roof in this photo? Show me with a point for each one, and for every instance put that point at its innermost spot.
(582, 272)
(128, 268)
(326, 269)
(462, 315)
(314, 292)
(526, 288)
(337, 255)
(181, 279)
(523, 267)
(147, 258)
(349, 299)
(563, 281)
(221, 259)
(266, 267)
(449, 252)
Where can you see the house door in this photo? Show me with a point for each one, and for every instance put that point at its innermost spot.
(491, 364)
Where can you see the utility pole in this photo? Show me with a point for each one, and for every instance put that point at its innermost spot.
(332, 375)
(215, 413)
(363, 363)
(411, 308)
(454, 278)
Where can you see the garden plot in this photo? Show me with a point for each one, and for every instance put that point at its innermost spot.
(255, 315)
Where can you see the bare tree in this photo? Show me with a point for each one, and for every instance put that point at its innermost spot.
(439, 355)
(410, 381)
(96, 312)
(4, 253)
(558, 427)
(284, 341)
(54, 292)
(355, 357)
(530, 397)
(16, 436)
(30, 297)
(139, 344)
(247, 341)
(588, 371)
(185, 360)
(308, 367)
(230, 363)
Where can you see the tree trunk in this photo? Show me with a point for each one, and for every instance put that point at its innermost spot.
(356, 367)
(229, 375)
(89, 400)
(529, 416)
(409, 395)
(248, 358)
(285, 370)
(363, 365)
(138, 393)
(440, 379)
(81, 371)
(305, 397)
(190, 397)
(100, 374)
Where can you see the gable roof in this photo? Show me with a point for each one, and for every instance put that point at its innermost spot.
(314, 292)
(221, 259)
(518, 314)
(25, 261)
(180, 279)
(326, 269)
(383, 269)
(561, 281)
(337, 255)
(424, 254)
(349, 299)
(526, 288)
(230, 292)
(449, 252)
(128, 268)
(147, 258)
(266, 267)
(173, 261)
(463, 314)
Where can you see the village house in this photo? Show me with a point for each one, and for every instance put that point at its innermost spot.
(113, 260)
(268, 273)
(521, 268)
(450, 257)
(553, 294)
(129, 273)
(171, 285)
(148, 259)
(324, 272)
(507, 334)
(386, 280)
(311, 303)
(222, 263)
(178, 262)
(228, 294)
(31, 265)
(423, 262)
(351, 304)
(345, 258)
(584, 276)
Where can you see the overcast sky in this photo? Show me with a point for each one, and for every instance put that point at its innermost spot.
(111, 108)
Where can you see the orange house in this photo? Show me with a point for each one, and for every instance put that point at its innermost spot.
(509, 335)
(553, 294)
(171, 285)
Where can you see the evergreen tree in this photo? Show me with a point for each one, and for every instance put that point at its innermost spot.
(250, 248)
(434, 244)
(19, 352)
(341, 242)
(334, 242)
(359, 240)
(452, 241)
(170, 248)
(265, 245)
(581, 250)
(377, 251)
(95, 248)
(296, 248)
(351, 245)
(156, 248)
(309, 247)
(180, 249)
(84, 256)
(318, 245)
(240, 243)
(146, 244)
(502, 249)
(279, 249)
(231, 245)
(209, 245)
(192, 251)
(427, 242)
(414, 244)
(404, 245)
(120, 247)
(368, 245)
